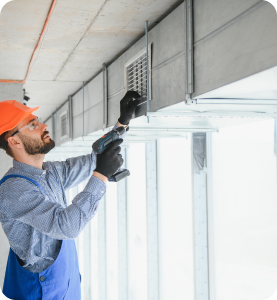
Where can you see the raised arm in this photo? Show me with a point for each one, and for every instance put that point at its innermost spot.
(29, 205)
(77, 169)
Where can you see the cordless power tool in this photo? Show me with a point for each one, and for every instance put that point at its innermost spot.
(103, 143)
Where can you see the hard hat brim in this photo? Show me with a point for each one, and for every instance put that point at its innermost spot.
(17, 119)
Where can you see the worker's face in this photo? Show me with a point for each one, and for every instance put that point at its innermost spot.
(36, 141)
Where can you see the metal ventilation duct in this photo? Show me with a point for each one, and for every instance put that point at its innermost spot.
(168, 88)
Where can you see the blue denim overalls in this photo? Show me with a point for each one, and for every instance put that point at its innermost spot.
(60, 281)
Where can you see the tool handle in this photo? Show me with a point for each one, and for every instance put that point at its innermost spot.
(101, 144)
(120, 175)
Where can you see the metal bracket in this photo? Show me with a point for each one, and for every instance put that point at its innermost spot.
(189, 100)
(147, 66)
(105, 96)
(122, 233)
(201, 251)
(152, 220)
(70, 117)
(189, 52)
(199, 151)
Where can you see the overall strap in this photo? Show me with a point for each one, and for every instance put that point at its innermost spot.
(31, 180)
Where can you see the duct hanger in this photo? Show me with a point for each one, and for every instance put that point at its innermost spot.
(189, 53)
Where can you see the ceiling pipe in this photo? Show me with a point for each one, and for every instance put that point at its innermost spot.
(37, 46)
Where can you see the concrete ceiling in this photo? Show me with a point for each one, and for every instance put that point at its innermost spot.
(81, 36)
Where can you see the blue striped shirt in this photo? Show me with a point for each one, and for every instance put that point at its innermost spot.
(35, 223)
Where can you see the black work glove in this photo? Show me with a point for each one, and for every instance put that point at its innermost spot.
(108, 162)
(128, 106)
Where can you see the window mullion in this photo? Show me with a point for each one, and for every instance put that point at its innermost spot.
(152, 221)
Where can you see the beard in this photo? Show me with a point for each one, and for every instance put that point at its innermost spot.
(35, 146)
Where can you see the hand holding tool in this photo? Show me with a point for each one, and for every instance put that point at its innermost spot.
(103, 145)
(128, 106)
(109, 160)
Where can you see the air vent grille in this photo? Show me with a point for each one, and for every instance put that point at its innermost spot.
(64, 125)
(136, 74)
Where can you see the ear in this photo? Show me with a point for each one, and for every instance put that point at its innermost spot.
(14, 142)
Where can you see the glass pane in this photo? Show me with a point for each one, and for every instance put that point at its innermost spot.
(136, 206)
(175, 219)
(245, 210)
(112, 241)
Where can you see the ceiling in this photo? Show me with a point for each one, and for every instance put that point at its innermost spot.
(81, 36)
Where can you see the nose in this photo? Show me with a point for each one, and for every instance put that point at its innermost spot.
(44, 127)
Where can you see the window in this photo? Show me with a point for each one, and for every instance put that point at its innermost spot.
(112, 241)
(245, 209)
(175, 219)
(136, 223)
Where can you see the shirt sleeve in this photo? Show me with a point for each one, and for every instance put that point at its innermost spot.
(27, 204)
(75, 170)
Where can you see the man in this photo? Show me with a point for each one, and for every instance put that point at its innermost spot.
(40, 227)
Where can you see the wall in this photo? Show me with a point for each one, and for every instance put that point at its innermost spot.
(8, 91)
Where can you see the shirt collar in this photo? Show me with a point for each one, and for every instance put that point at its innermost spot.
(27, 168)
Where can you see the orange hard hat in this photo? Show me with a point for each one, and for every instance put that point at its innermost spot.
(12, 113)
